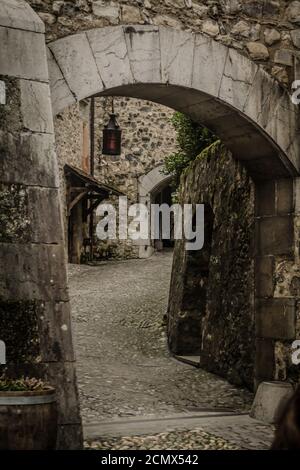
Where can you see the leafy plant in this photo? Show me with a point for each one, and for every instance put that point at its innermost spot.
(24, 384)
(192, 139)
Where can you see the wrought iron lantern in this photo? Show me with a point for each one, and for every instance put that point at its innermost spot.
(112, 136)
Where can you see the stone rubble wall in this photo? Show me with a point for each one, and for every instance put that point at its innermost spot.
(211, 305)
(266, 30)
(147, 138)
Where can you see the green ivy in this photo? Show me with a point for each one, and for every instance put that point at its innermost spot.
(192, 139)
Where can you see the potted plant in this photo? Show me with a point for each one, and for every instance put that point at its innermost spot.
(28, 414)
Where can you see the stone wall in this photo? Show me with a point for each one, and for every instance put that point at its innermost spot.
(265, 30)
(34, 304)
(147, 138)
(211, 307)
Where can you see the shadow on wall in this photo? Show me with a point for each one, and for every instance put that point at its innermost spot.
(211, 307)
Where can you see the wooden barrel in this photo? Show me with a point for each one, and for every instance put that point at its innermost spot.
(28, 420)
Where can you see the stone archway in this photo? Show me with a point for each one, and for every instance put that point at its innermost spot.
(191, 73)
(233, 97)
(148, 185)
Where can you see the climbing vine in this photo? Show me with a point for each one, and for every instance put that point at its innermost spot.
(192, 139)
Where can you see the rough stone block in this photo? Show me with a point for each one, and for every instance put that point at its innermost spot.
(19, 156)
(264, 276)
(284, 57)
(237, 79)
(36, 107)
(177, 53)
(264, 359)
(107, 9)
(2, 92)
(209, 61)
(284, 196)
(55, 332)
(114, 68)
(270, 399)
(45, 229)
(18, 14)
(276, 319)
(77, 64)
(265, 198)
(275, 235)
(61, 95)
(33, 272)
(262, 99)
(63, 375)
(144, 53)
(283, 128)
(23, 54)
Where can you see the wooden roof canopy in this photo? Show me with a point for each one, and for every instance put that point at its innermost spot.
(82, 185)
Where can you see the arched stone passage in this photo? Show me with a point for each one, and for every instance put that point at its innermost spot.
(213, 84)
(150, 184)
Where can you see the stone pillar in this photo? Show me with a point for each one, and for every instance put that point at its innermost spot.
(276, 274)
(34, 303)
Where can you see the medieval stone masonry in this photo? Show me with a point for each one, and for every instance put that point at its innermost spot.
(233, 309)
(265, 30)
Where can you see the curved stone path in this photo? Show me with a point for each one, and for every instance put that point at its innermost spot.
(123, 365)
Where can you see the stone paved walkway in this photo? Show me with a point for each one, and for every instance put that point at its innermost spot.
(124, 368)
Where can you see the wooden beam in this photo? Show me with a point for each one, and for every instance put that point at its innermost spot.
(77, 199)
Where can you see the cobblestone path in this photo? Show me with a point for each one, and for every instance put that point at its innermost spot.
(123, 364)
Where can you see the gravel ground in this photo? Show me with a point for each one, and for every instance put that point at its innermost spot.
(123, 364)
(179, 440)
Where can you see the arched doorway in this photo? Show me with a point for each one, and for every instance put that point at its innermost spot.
(154, 187)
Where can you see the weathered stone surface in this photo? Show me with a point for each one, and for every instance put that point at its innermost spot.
(284, 57)
(167, 20)
(276, 319)
(209, 62)
(285, 196)
(264, 359)
(22, 54)
(275, 235)
(237, 79)
(131, 15)
(21, 155)
(114, 68)
(264, 276)
(73, 54)
(293, 12)
(198, 288)
(18, 14)
(177, 55)
(144, 53)
(47, 18)
(295, 35)
(241, 29)
(36, 106)
(271, 36)
(44, 229)
(110, 10)
(265, 198)
(2, 92)
(211, 28)
(257, 51)
(270, 400)
(33, 282)
(54, 322)
(61, 95)
(280, 74)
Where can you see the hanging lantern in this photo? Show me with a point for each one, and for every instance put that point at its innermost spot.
(112, 136)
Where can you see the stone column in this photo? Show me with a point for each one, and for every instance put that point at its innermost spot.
(34, 303)
(277, 277)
